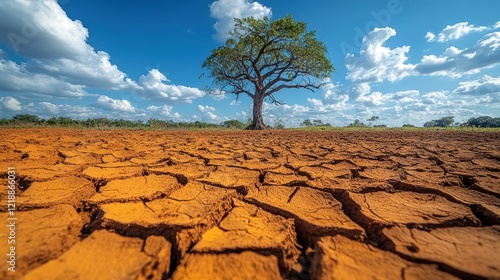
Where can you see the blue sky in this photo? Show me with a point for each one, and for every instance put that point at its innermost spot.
(406, 61)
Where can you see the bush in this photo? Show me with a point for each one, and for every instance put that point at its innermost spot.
(234, 124)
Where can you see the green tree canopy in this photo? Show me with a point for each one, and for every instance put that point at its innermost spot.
(357, 123)
(262, 57)
(306, 123)
(484, 121)
(442, 122)
(27, 118)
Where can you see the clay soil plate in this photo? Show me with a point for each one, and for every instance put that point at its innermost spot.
(112, 204)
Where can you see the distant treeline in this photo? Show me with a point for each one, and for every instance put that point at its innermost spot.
(32, 120)
(484, 121)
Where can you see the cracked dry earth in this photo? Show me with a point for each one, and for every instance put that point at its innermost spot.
(252, 205)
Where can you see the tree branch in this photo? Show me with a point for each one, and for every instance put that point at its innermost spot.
(308, 86)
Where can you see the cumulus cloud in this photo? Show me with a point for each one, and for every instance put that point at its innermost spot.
(208, 112)
(482, 86)
(374, 99)
(436, 97)
(271, 111)
(18, 79)
(377, 63)
(165, 111)
(94, 71)
(60, 62)
(456, 63)
(56, 45)
(49, 107)
(319, 106)
(9, 103)
(430, 36)
(225, 11)
(205, 109)
(41, 30)
(405, 96)
(211, 115)
(108, 103)
(335, 96)
(153, 87)
(454, 32)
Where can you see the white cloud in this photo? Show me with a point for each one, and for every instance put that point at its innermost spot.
(454, 32)
(60, 63)
(204, 109)
(377, 63)
(9, 103)
(224, 11)
(41, 30)
(211, 115)
(436, 97)
(430, 36)
(417, 107)
(56, 45)
(497, 25)
(208, 112)
(291, 114)
(374, 99)
(108, 103)
(49, 107)
(165, 111)
(17, 79)
(456, 63)
(482, 86)
(335, 96)
(332, 90)
(319, 106)
(153, 87)
(3, 54)
(403, 94)
(94, 70)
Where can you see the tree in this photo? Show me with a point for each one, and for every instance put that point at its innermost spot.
(318, 123)
(262, 57)
(26, 118)
(442, 122)
(357, 123)
(483, 121)
(372, 119)
(234, 124)
(306, 123)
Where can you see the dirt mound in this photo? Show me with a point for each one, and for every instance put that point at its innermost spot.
(252, 204)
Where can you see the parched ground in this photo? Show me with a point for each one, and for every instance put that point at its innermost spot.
(94, 204)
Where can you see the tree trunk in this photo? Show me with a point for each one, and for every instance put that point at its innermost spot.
(258, 123)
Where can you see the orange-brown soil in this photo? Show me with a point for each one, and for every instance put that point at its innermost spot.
(252, 205)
